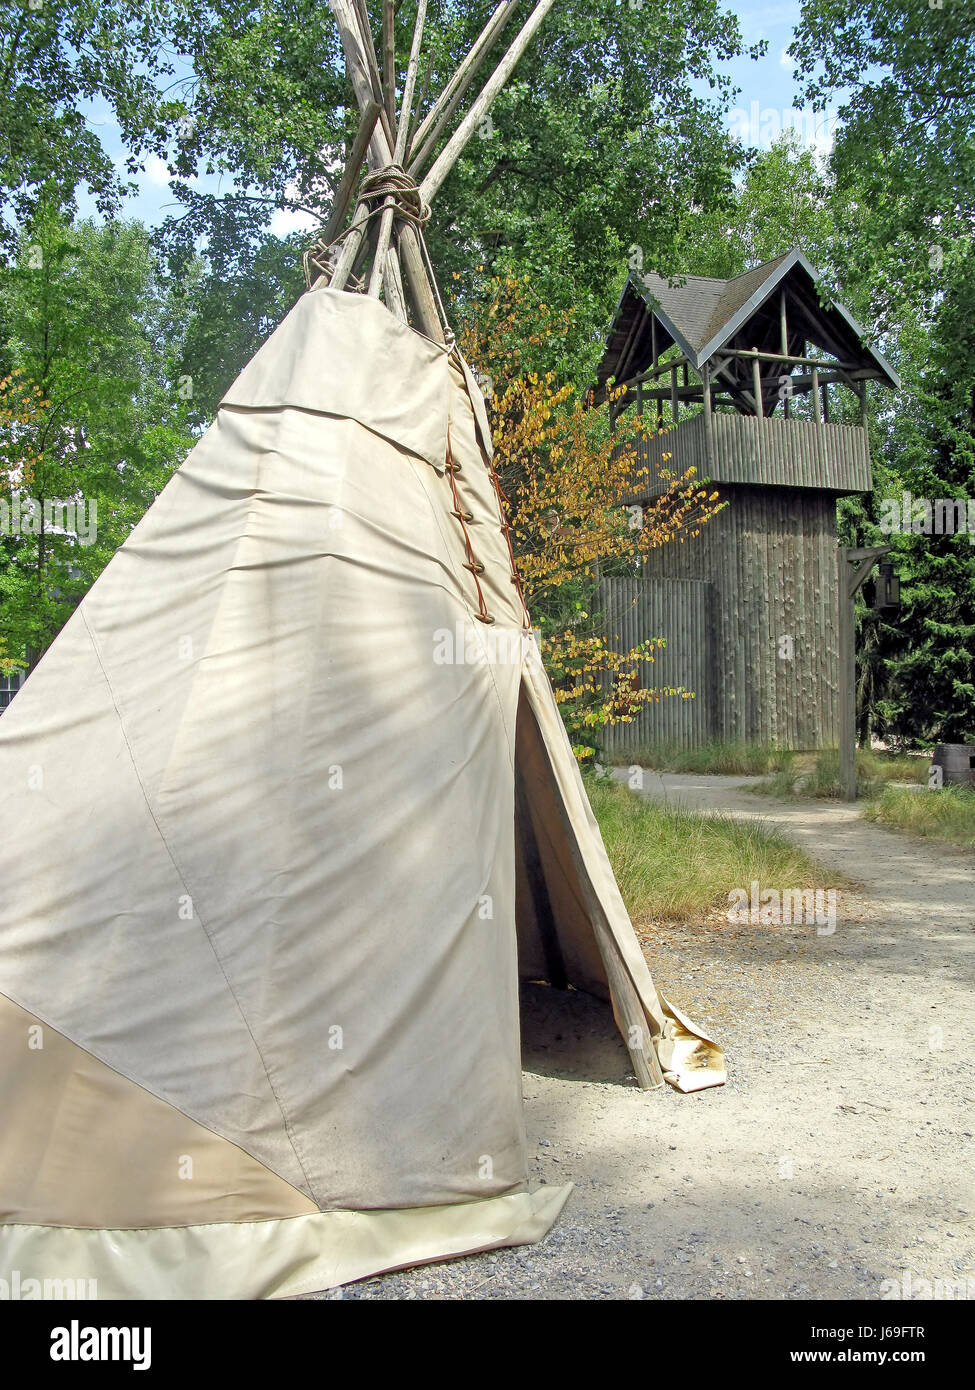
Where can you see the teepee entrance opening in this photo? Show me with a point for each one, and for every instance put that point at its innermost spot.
(556, 941)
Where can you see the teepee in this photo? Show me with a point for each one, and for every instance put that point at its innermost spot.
(288, 808)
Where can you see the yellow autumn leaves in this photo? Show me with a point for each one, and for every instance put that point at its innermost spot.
(568, 481)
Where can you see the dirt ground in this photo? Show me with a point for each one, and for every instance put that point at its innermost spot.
(840, 1153)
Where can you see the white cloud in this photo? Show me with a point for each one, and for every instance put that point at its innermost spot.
(284, 222)
(287, 220)
(156, 171)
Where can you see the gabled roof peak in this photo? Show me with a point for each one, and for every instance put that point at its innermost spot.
(703, 314)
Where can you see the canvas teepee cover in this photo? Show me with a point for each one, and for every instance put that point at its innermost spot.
(287, 809)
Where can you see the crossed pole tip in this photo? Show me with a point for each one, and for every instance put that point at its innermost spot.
(385, 138)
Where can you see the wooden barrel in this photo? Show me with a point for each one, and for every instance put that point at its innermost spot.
(957, 761)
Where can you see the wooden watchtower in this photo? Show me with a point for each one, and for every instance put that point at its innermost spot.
(759, 383)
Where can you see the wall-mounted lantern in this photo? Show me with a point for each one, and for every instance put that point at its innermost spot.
(887, 591)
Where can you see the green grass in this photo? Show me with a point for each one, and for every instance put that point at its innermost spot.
(673, 864)
(947, 814)
(820, 778)
(894, 767)
(715, 756)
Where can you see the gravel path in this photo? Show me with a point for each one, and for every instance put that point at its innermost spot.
(840, 1153)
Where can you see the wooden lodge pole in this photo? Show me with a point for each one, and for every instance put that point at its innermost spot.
(389, 60)
(399, 152)
(354, 43)
(429, 130)
(454, 147)
(343, 198)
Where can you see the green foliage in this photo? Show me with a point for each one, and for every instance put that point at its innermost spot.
(89, 326)
(902, 71)
(226, 317)
(599, 140)
(946, 814)
(784, 199)
(903, 175)
(600, 143)
(821, 778)
(55, 56)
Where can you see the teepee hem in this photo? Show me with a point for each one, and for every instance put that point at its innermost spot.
(283, 1258)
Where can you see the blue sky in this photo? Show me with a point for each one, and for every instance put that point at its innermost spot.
(767, 96)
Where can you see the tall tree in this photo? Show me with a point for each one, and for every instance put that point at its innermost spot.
(904, 169)
(89, 338)
(55, 59)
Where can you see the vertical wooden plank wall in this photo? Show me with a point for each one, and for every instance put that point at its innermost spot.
(771, 559)
(680, 611)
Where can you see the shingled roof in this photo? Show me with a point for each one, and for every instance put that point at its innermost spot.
(701, 314)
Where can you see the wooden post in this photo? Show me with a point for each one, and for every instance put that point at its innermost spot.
(639, 399)
(862, 393)
(757, 389)
(655, 354)
(854, 567)
(817, 403)
(784, 344)
(708, 422)
(673, 395)
(826, 402)
(783, 325)
(846, 684)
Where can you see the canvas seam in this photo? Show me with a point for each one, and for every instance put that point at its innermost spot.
(251, 499)
(182, 879)
(435, 516)
(473, 1203)
(163, 1100)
